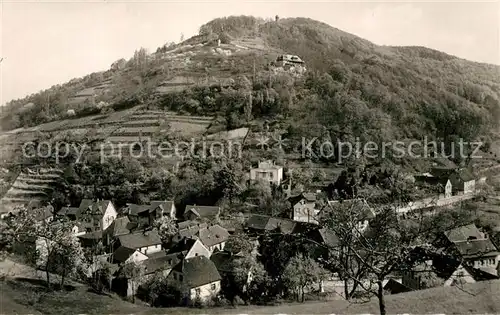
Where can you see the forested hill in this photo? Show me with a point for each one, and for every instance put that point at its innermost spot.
(352, 86)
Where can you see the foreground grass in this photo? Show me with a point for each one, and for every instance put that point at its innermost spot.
(23, 291)
(23, 296)
(477, 298)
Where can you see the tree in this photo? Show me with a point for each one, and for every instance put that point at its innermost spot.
(56, 248)
(301, 273)
(339, 258)
(133, 273)
(166, 228)
(391, 243)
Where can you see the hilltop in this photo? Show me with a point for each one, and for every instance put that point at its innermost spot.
(224, 79)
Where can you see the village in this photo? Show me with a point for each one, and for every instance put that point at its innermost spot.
(257, 204)
(197, 252)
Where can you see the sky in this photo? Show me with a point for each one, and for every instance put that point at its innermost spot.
(44, 43)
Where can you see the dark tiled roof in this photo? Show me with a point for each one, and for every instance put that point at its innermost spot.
(466, 175)
(121, 254)
(212, 235)
(476, 248)
(157, 255)
(308, 197)
(267, 223)
(329, 238)
(164, 205)
(444, 163)
(480, 274)
(198, 271)
(182, 246)
(224, 261)
(68, 211)
(44, 213)
(137, 240)
(118, 227)
(395, 287)
(208, 212)
(258, 221)
(463, 233)
(186, 224)
(433, 180)
(85, 204)
(153, 265)
(133, 209)
(191, 231)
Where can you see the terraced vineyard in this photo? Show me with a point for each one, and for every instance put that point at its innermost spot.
(30, 186)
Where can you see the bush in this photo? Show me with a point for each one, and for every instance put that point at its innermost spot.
(224, 38)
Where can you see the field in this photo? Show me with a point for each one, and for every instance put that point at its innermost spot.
(127, 126)
(23, 292)
(31, 186)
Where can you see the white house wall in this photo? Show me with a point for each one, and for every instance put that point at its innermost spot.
(136, 257)
(461, 275)
(206, 292)
(150, 249)
(198, 249)
(109, 216)
(219, 246)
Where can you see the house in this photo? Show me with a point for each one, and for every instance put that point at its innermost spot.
(234, 223)
(146, 242)
(44, 214)
(189, 247)
(214, 237)
(160, 264)
(92, 215)
(145, 215)
(442, 167)
(463, 182)
(261, 223)
(77, 229)
(394, 287)
(225, 261)
(443, 271)
(205, 213)
(289, 60)
(326, 239)
(157, 264)
(267, 171)
(69, 212)
(198, 277)
(471, 245)
(442, 183)
(188, 229)
(304, 208)
(120, 226)
(124, 255)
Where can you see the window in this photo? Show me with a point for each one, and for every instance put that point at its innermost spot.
(213, 287)
(180, 278)
(175, 276)
(89, 230)
(198, 291)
